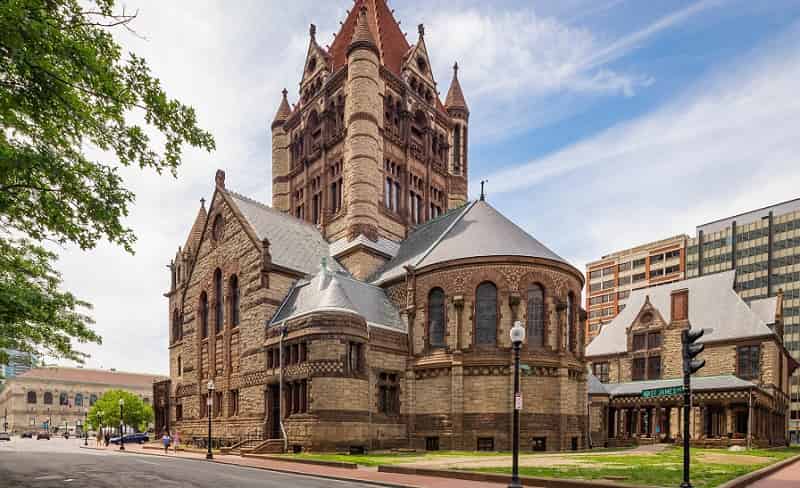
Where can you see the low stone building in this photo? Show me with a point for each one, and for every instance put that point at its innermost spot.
(392, 295)
(58, 398)
(742, 393)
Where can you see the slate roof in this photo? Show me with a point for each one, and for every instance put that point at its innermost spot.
(765, 308)
(84, 375)
(294, 244)
(699, 383)
(332, 291)
(474, 230)
(713, 303)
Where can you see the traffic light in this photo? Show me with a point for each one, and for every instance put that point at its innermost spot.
(691, 350)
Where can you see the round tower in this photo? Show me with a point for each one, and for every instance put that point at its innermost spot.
(362, 151)
(280, 156)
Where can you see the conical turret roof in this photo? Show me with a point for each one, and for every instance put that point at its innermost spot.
(284, 111)
(455, 96)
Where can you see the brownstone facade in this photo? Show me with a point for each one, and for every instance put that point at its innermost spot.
(369, 176)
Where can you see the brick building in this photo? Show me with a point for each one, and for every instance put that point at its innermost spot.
(58, 397)
(741, 394)
(371, 304)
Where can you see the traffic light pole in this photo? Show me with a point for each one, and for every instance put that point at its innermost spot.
(687, 398)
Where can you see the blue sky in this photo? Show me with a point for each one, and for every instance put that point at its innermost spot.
(599, 124)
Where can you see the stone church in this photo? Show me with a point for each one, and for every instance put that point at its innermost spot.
(370, 305)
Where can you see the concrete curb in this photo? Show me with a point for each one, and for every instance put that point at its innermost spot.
(502, 478)
(750, 478)
(314, 462)
(276, 470)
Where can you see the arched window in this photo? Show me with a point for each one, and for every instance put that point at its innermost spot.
(78, 400)
(48, 398)
(570, 322)
(92, 399)
(535, 315)
(436, 317)
(234, 284)
(63, 399)
(180, 366)
(218, 315)
(204, 315)
(31, 397)
(177, 329)
(486, 314)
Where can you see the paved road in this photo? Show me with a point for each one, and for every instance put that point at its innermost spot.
(28, 463)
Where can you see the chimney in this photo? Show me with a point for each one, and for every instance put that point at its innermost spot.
(680, 305)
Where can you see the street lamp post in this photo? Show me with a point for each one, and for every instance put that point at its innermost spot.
(517, 336)
(210, 385)
(121, 426)
(85, 427)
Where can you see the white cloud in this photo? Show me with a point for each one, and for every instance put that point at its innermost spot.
(728, 145)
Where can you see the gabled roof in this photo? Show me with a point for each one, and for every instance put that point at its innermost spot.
(391, 42)
(713, 303)
(294, 244)
(383, 245)
(197, 227)
(336, 292)
(474, 230)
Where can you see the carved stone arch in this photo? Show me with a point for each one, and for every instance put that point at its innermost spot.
(544, 279)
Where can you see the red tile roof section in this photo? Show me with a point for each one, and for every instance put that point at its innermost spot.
(82, 375)
(392, 44)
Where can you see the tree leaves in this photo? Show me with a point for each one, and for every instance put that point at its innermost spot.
(105, 412)
(65, 91)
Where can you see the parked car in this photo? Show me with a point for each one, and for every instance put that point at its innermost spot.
(43, 435)
(27, 435)
(4, 436)
(138, 438)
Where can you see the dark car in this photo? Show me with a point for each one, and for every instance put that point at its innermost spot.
(4, 436)
(138, 438)
(43, 435)
(27, 435)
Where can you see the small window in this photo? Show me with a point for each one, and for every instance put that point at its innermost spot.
(486, 314)
(218, 230)
(539, 444)
(48, 398)
(78, 400)
(431, 443)
(63, 399)
(92, 399)
(388, 394)
(535, 315)
(32, 397)
(436, 319)
(233, 406)
(354, 356)
(180, 366)
(234, 290)
(638, 369)
(748, 361)
(486, 443)
(203, 315)
(654, 368)
(639, 342)
(218, 307)
(600, 370)
(178, 412)
(654, 340)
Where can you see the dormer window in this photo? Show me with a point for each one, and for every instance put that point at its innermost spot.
(422, 66)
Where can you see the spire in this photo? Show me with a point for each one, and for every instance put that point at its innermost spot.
(283, 110)
(363, 38)
(455, 97)
(385, 30)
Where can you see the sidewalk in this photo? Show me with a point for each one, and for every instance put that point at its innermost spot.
(367, 475)
(788, 477)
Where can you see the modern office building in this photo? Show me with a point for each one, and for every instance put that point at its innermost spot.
(762, 246)
(612, 278)
(18, 363)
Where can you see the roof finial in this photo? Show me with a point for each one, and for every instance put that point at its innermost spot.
(219, 178)
(421, 30)
(455, 69)
(483, 193)
(312, 31)
(202, 202)
(285, 92)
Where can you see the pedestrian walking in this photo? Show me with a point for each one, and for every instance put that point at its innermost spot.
(166, 440)
(107, 438)
(175, 440)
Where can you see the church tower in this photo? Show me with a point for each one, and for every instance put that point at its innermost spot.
(369, 152)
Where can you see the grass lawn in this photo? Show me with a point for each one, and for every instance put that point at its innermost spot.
(710, 467)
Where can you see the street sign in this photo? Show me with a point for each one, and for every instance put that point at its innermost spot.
(662, 392)
(518, 402)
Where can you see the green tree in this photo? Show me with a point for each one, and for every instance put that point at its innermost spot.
(66, 90)
(105, 411)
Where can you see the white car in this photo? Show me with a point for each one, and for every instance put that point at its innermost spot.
(4, 436)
